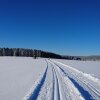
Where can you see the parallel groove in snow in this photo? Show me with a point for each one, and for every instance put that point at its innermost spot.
(33, 94)
(56, 87)
(72, 96)
(87, 95)
(95, 92)
(62, 83)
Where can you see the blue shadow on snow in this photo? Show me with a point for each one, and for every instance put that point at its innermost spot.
(84, 93)
(38, 88)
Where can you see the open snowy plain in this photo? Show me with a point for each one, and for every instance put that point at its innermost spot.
(25, 78)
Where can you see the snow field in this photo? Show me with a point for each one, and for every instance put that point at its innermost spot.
(17, 76)
(25, 78)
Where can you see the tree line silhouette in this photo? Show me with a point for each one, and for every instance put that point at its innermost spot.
(39, 53)
(27, 53)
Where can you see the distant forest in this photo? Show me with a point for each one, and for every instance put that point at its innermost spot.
(39, 53)
(27, 53)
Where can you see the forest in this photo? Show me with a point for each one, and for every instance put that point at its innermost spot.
(39, 53)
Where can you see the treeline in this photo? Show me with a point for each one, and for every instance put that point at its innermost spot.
(90, 58)
(27, 53)
(39, 53)
(72, 57)
(82, 58)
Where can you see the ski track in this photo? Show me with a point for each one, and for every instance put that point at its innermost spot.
(34, 91)
(87, 90)
(63, 83)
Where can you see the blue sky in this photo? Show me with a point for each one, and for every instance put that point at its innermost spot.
(70, 27)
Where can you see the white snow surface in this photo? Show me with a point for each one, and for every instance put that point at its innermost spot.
(17, 75)
(89, 67)
(25, 78)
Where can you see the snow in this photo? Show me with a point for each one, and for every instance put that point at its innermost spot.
(17, 75)
(25, 78)
(89, 67)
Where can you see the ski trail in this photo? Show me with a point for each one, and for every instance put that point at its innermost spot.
(62, 83)
(34, 91)
(86, 89)
(54, 91)
(84, 93)
(67, 90)
(51, 95)
(56, 87)
(88, 76)
(57, 92)
(46, 92)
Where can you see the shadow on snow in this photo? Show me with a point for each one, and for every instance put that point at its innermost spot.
(83, 92)
(39, 86)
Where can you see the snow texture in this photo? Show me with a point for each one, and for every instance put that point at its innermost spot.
(46, 79)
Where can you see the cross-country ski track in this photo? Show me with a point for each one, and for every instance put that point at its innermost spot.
(62, 82)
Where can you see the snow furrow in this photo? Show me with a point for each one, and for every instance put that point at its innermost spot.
(56, 88)
(71, 92)
(85, 93)
(34, 91)
(51, 95)
(60, 94)
(62, 83)
(88, 76)
(77, 80)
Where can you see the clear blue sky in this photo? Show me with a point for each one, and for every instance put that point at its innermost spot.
(69, 27)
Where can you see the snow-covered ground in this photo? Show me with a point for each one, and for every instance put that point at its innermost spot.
(17, 75)
(43, 79)
(90, 67)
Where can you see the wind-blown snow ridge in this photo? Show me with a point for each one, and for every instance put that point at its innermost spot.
(89, 76)
(34, 91)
